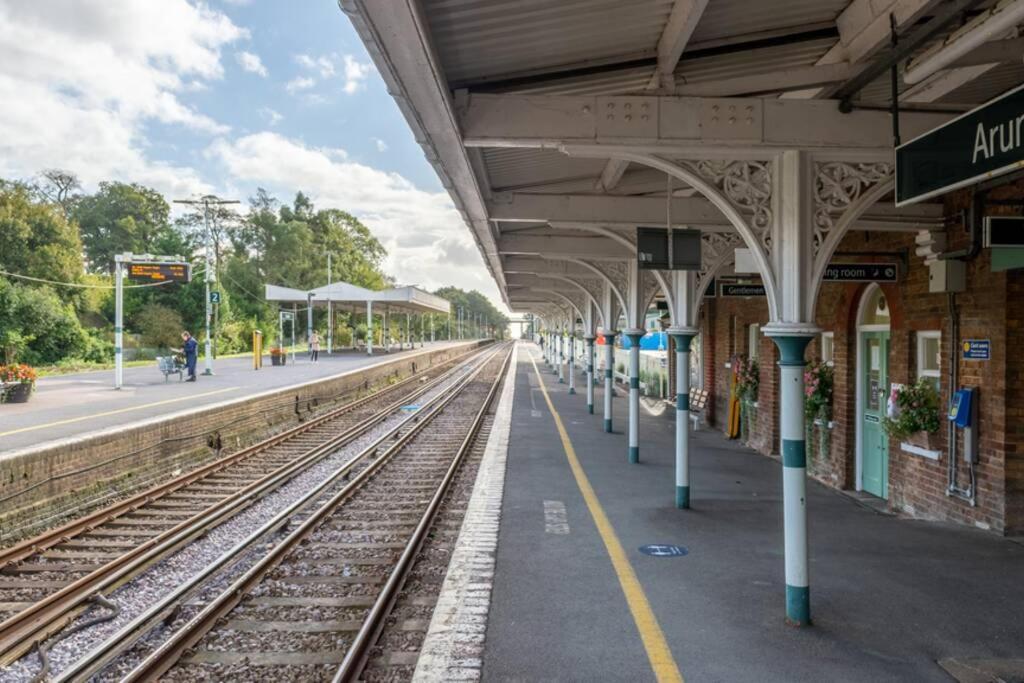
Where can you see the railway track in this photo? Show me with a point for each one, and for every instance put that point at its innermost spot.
(46, 581)
(313, 607)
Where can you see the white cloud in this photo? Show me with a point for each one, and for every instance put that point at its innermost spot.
(323, 64)
(427, 241)
(381, 145)
(273, 118)
(251, 62)
(355, 74)
(80, 84)
(299, 83)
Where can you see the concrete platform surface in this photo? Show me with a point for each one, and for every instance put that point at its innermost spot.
(69, 405)
(890, 597)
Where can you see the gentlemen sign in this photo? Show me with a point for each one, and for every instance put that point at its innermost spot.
(861, 272)
(733, 290)
(981, 144)
(159, 272)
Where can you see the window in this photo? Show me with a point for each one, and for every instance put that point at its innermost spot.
(753, 340)
(929, 349)
(827, 347)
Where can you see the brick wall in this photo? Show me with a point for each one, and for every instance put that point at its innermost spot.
(991, 308)
(40, 485)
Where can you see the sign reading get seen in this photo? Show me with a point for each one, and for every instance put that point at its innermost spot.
(981, 144)
(159, 272)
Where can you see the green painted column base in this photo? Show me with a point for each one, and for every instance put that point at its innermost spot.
(608, 426)
(683, 497)
(798, 605)
(634, 454)
(561, 381)
(590, 408)
(572, 390)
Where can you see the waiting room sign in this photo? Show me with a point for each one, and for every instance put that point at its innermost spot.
(984, 143)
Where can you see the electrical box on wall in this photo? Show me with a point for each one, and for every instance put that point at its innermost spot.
(947, 276)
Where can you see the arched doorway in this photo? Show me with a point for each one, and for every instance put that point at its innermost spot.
(872, 392)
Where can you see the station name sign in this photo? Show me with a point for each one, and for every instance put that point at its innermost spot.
(159, 272)
(983, 143)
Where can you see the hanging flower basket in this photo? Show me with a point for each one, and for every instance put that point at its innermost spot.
(819, 380)
(18, 382)
(912, 409)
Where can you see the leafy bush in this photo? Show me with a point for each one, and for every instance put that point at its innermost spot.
(98, 347)
(159, 326)
(915, 409)
(36, 326)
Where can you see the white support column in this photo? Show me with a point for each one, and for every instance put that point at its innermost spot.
(635, 318)
(118, 322)
(561, 355)
(589, 339)
(369, 328)
(572, 361)
(682, 332)
(609, 378)
(792, 260)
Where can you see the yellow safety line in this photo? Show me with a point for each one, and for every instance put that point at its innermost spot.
(115, 412)
(658, 652)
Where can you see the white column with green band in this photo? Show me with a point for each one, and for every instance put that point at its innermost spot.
(682, 341)
(609, 378)
(634, 335)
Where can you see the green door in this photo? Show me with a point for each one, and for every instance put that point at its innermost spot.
(874, 443)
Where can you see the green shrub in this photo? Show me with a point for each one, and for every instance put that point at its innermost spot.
(36, 326)
(159, 327)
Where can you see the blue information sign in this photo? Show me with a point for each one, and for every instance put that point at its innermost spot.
(663, 550)
(977, 349)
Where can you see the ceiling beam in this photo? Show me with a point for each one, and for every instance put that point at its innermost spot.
(601, 209)
(680, 26)
(680, 124)
(583, 246)
(537, 264)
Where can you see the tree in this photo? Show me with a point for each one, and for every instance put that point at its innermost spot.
(36, 326)
(57, 186)
(36, 239)
(124, 217)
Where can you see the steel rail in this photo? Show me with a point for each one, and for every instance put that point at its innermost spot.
(57, 535)
(171, 650)
(94, 660)
(358, 652)
(20, 632)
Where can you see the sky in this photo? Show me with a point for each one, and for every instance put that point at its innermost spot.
(226, 96)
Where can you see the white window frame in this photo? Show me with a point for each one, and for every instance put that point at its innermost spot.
(753, 341)
(921, 337)
(831, 359)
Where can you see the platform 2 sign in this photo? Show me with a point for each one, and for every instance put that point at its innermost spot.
(159, 272)
(862, 272)
(983, 143)
(977, 349)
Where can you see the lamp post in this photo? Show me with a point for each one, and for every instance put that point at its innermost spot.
(206, 201)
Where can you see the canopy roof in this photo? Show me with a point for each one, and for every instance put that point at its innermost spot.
(351, 297)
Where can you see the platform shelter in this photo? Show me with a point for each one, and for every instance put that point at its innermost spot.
(337, 297)
(560, 128)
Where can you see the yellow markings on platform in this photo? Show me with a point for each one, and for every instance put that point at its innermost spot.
(658, 652)
(115, 412)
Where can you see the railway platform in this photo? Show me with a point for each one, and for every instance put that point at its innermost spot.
(67, 406)
(597, 576)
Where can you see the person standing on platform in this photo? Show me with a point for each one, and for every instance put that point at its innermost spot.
(190, 347)
(314, 347)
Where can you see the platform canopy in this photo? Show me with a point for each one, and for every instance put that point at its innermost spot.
(558, 127)
(348, 297)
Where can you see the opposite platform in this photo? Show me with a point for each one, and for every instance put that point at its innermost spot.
(891, 597)
(69, 405)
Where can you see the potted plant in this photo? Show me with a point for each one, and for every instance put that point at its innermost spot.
(819, 379)
(748, 379)
(912, 409)
(278, 356)
(18, 382)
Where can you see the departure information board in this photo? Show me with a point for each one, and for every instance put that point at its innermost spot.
(159, 272)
